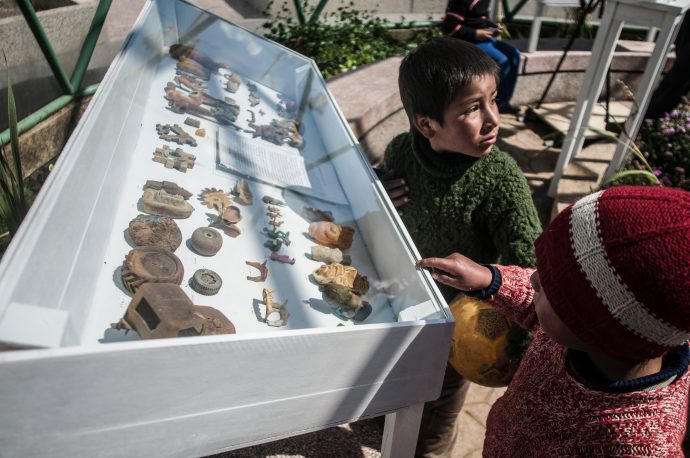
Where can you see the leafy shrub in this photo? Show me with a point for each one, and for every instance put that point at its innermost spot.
(665, 143)
(339, 41)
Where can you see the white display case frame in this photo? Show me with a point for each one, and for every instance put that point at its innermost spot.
(65, 393)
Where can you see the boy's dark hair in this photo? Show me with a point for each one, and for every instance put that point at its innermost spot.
(431, 74)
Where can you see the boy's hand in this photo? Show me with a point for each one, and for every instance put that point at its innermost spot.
(483, 34)
(396, 188)
(458, 271)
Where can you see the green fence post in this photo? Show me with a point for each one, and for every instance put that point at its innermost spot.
(300, 12)
(32, 20)
(90, 43)
(315, 15)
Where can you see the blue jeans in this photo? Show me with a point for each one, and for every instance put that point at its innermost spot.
(508, 59)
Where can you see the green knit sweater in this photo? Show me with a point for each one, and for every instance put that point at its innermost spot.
(480, 207)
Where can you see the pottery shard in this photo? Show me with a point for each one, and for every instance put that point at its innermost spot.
(206, 241)
(169, 187)
(340, 275)
(243, 192)
(150, 264)
(331, 235)
(159, 202)
(161, 310)
(160, 231)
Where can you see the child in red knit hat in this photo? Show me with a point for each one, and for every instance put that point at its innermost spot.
(606, 373)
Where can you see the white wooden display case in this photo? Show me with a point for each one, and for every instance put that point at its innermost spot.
(72, 386)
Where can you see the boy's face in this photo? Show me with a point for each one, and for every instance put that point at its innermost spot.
(470, 123)
(550, 323)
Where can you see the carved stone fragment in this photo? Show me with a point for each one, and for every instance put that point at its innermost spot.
(263, 271)
(174, 133)
(150, 264)
(328, 255)
(169, 187)
(206, 282)
(276, 313)
(331, 235)
(215, 199)
(243, 192)
(190, 83)
(176, 158)
(160, 231)
(159, 202)
(161, 310)
(338, 274)
(342, 296)
(206, 241)
(192, 122)
(233, 82)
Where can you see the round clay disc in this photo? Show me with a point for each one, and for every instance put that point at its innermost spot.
(216, 321)
(206, 241)
(206, 282)
(151, 264)
(160, 231)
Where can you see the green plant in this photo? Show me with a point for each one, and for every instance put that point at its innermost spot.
(339, 41)
(13, 202)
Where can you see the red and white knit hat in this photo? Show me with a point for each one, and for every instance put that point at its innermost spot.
(616, 268)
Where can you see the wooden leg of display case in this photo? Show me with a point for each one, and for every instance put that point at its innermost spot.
(400, 432)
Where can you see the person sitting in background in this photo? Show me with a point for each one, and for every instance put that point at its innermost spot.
(468, 20)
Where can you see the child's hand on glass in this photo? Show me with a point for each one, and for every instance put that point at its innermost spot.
(458, 271)
(396, 188)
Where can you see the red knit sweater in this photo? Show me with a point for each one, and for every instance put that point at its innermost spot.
(546, 412)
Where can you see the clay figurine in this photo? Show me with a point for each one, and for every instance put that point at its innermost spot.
(285, 259)
(272, 201)
(254, 98)
(206, 282)
(206, 241)
(314, 214)
(276, 313)
(193, 68)
(169, 187)
(190, 83)
(331, 235)
(338, 274)
(150, 264)
(174, 133)
(265, 131)
(273, 245)
(192, 122)
(273, 212)
(215, 199)
(176, 159)
(158, 202)
(263, 271)
(275, 223)
(328, 255)
(162, 310)
(278, 235)
(233, 82)
(243, 192)
(160, 231)
(178, 51)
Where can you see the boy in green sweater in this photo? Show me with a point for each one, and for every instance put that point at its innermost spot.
(454, 189)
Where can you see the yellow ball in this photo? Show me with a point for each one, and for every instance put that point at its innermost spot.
(480, 346)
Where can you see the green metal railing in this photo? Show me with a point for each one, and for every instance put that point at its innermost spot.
(70, 86)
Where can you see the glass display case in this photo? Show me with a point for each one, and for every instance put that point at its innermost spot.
(212, 173)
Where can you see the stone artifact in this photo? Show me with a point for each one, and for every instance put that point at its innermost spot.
(273, 245)
(338, 274)
(285, 259)
(193, 68)
(328, 255)
(206, 282)
(179, 102)
(272, 201)
(190, 83)
(277, 132)
(231, 215)
(254, 98)
(233, 82)
(160, 231)
(179, 51)
(276, 313)
(169, 187)
(243, 192)
(273, 212)
(174, 133)
(206, 241)
(192, 122)
(158, 202)
(162, 310)
(314, 214)
(215, 199)
(275, 223)
(263, 271)
(278, 235)
(200, 132)
(176, 158)
(150, 264)
(331, 235)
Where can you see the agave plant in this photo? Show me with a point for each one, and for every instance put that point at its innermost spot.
(13, 200)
